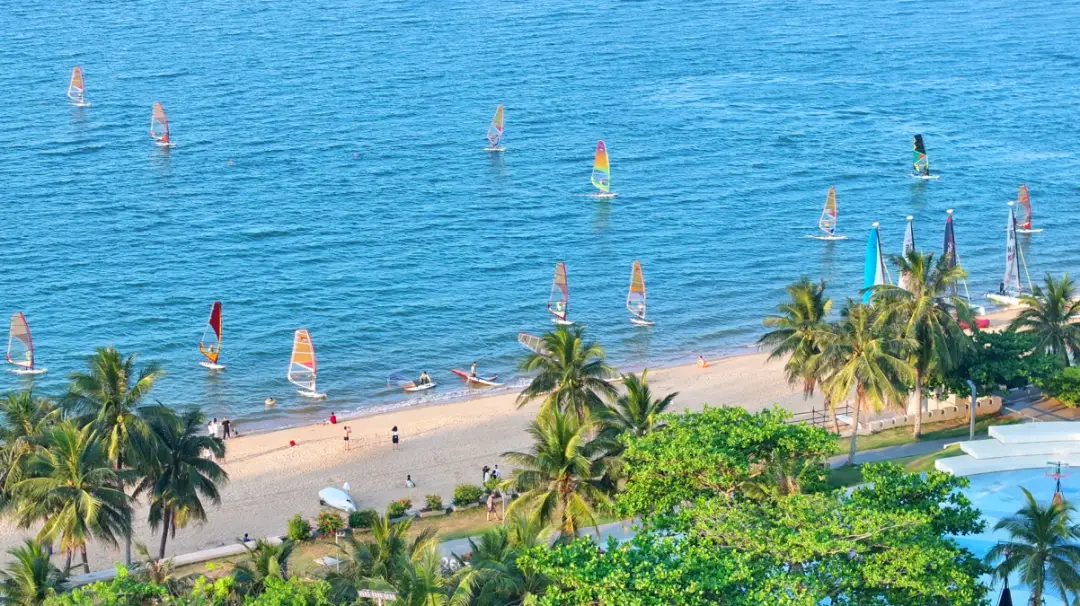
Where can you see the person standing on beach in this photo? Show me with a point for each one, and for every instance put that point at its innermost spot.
(225, 423)
(495, 472)
(347, 432)
(219, 430)
(491, 508)
(408, 481)
(487, 472)
(211, 428)
(394, 437)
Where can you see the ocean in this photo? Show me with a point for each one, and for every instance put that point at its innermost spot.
(329, 174)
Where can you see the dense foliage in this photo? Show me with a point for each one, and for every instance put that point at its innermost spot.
(1064, 386)
(998, 361)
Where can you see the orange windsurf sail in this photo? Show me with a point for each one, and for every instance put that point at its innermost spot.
(302, 367)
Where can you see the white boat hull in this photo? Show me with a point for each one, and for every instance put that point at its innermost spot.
(828, 238)
(80, 104)
(641, 322)
(604, 196)
(562, 322)
(1028, 231)
(212, 366)
(926, 177)
(494, 149)
(313, 395)
(416, 388)
(28, 372)
(164, 145)
(1007, 300)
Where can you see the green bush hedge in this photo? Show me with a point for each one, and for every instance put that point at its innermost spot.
(398, 508)
(299, 529)
(433, 502)
(467, 494)
(329, 522)
(365, 518)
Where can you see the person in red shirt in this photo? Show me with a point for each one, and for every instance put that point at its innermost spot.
(333, 419)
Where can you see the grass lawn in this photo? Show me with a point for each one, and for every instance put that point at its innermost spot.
(954, 428)
(850, 475)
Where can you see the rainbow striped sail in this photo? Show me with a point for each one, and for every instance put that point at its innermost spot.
(77, 88)
(636, 299)
(303, 369)
(601, 169)
(495, 130)
(827, 222)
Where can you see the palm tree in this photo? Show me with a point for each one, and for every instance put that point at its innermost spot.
(30, 578)
(266, 560)
(72, 488)
(561, 477)
(1052, 312)
(795, 330)
(1043, 549)
(380, 561)
(422, 582)
(572, 374)
(174, 472)
(635, 412)
(928, 315)
(109, 395)
(23, 421)
(783, 476)
(865, 353)
(161, 572)
(500, 581)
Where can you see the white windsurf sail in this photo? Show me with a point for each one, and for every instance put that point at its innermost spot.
(20, 349)
(559, 297)
(533, 343)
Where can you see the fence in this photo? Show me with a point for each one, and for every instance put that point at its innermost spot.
(820, 417)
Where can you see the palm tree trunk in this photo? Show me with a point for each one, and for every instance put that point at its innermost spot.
(127, 535)
(165, 533)
(918, 403)
(855, 428)
(832, 414)
(67, 561)
(85, 563)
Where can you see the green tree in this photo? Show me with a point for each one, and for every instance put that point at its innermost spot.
(265, 561)
(928, 316)
(380, 561)
(72, 489)
(794, 333)
(572, 376)
(422, 582)
(635, 412)
(561, 476)
(1065, 387)
(23, 421)
(1043, 549)
(124, 590)
(998, 361)
(108, 394)
(174, 472)
(494, 558)
(866, 356)
(30, 578)
(1052, 313)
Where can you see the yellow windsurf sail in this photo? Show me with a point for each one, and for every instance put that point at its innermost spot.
(302, 367)
(76, 88)
(211, 348)
(601, 170)
(635, 299)
(495, 129)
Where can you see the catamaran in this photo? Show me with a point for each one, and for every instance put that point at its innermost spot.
(909, 246)
(952, 259)
(1024, 199)
(20, 349)
(1011, 288)
(212, 349)
(533, 343)
(159, 127)
(77, 89)
(601, 172)
(559, 298)
(875, 272)
(495, 132)
(827, 222)
(636, 302)
(920, 164)
(302, 367)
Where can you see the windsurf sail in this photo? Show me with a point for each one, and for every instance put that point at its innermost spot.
(533, 343)
(601, 169)
(302, 367)
(559, 298)
(495, 129)
(159, 125)
(636, 302)
(874, 272)
(1011, 282)
(1024, 199)
(398, 380)
(909, 246)
(76, 88)
(20, 349)
(827, 222)
(951, 256)
(920, 163)
(212, 348)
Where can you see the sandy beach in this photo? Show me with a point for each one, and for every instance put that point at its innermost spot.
(441, 446)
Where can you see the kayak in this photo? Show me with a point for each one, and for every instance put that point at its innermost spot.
(491, 381)
(413, 387)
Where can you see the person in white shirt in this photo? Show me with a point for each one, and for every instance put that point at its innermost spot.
(211, 428)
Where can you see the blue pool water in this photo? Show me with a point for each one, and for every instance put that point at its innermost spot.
(328, 173)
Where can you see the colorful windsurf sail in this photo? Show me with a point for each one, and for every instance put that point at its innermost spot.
(875, 272)
(20, 349)
(211, 348)
(495, 129)
(76, 88)
(920, 164)
(636, 302)
(302, 367)
(827, 222)
(559, 298)
(533, 343)
(1024, 200)
(159, 125)
(601, 170)
(909, 246)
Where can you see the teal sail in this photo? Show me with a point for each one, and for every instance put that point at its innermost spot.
(874, 273)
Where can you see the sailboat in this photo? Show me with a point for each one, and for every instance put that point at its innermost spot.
(636, 302)
(827, 222)
(952, 259)
(909, 246)
(920, 163)
(1011, 288)
(559, 297)
(1024, 199)
(159, 127)
(875, 272)
(77, 89)
(533, 343)
(601, 172)
(20, 349)
(302, 368)
(212, 349)
(495, 132)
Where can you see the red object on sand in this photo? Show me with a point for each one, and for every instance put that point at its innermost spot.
(292, 442)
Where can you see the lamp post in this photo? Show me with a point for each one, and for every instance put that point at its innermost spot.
(971, 426)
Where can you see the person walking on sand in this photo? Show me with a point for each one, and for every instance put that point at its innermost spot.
(226, 426)
(491, 508)
(408, 482)
(347, 432)
(394, 437)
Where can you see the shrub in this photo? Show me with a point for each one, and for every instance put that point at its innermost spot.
(467, 494)
(299, 530)
(329, 523)
(491, 484)
(365, 518)
(433, 502)
(398, 508)
(1065, 387)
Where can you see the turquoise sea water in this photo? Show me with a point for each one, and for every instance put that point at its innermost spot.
(328, 173)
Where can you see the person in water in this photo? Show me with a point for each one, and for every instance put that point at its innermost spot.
(424, 379)
(472, 372)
